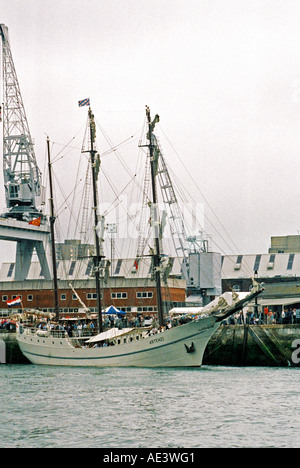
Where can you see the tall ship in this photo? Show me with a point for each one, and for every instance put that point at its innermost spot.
(57, 290)
(162, 346)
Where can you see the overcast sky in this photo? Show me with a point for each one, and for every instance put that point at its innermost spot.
(224, 76)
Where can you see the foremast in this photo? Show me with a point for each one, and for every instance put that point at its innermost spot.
(97, 256)
(52, 221)
(155, 213)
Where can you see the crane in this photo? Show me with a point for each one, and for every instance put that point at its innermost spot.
(23, 222)
(22, 177)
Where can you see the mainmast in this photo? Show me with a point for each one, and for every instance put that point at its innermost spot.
(52, 221)
(155, 215)
(97, 257)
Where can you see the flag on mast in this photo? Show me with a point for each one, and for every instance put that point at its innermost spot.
(84, 102)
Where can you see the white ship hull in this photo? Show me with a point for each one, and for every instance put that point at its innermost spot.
(181, 346)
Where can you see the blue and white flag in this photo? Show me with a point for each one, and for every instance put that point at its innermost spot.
(84, 102)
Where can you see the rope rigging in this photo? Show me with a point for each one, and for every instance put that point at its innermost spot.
(137, 189)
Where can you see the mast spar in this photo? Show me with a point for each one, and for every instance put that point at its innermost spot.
(52, 221)
(97, 257)
(155, 214)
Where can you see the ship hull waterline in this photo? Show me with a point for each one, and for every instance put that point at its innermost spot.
(182, 346)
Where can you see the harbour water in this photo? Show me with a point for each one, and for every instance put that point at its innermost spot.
(51, 407)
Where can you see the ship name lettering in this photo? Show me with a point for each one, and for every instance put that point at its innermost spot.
(156, 340)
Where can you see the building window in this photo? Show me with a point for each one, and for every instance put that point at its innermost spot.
(13, 191)
(29, 297)
(144, 294)
(271, 261)
(72, 268)
(151, 269)
(92, 295)
(238, 263)
(63, 297)
(118, 267)
(290, 262)
(89, 268)
(146, 309)
(4, 298)
(74, 297)
(119, 295)
(10, 270)
(257, 262)
(15, 296)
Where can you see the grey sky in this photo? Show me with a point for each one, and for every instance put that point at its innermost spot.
(224, 76)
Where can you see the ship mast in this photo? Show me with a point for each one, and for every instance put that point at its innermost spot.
(155, 215)
(52, 221)
(97, 257)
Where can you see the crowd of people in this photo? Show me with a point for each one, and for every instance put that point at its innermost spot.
(7, 325)
(82, 328)
(266, 316)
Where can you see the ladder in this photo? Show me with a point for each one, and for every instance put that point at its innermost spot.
(177, 223)
(86, 203)
(143, 220)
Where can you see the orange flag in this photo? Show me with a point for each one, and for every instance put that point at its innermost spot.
(36, 221)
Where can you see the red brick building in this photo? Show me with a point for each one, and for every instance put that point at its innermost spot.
(128, 290)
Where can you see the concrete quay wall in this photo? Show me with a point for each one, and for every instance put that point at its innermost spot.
(10, 352)
(254, 345)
